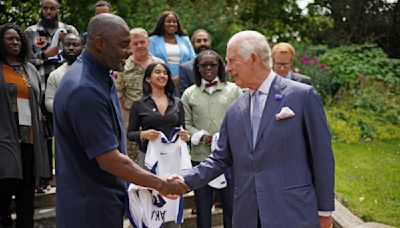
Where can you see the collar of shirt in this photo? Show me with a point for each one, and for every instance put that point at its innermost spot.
(264, 90)
(289, 75)
(150, 104)
(132, 63)
(212, 88)
(148, 97)
(266, 85)
(99, 72)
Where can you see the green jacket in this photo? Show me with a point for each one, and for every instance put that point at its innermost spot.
(206, 111)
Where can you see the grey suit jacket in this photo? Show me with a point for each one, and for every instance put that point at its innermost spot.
(301, 78)
(289, 176)
(186, 78)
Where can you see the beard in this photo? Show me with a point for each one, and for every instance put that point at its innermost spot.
(70, 58)
(51, 24)
(201, 48)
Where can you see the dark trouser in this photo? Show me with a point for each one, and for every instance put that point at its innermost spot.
(49, 143)
(44, 182)
(204, 198)
(24, 190)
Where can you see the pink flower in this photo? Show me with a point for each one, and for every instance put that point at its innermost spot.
(305, 60)
(315, 60)
(322, 66)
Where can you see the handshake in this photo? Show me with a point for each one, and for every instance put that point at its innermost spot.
(173, 187)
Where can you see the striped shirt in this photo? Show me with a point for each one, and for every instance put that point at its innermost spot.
(40, 39)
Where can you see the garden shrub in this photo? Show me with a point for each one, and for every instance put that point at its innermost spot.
(351, 125)
(350, 62)
(384, 131)
(321, 76)
(342, 130)
(360, 87)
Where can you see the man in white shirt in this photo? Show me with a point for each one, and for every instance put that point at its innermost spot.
(72, 49)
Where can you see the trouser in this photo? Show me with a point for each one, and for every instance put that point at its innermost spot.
(171, 225)
(24, 190)
(204, 198)
(49, 143)
(48, 125)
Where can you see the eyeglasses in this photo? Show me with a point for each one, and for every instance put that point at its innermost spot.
(282, 65)
(207, 65)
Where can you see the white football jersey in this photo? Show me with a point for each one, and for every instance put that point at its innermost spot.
(146, 207)
(165, 157)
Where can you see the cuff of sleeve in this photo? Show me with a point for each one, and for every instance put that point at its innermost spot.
(325, 213)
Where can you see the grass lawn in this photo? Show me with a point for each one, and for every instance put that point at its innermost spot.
(368, 180)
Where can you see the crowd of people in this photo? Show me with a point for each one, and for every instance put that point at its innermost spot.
(260, 147)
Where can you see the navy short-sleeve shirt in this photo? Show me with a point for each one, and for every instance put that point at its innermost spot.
(87, 122)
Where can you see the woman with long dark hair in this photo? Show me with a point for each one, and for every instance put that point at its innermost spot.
(158, 111)
(169, 41)
(23, 154)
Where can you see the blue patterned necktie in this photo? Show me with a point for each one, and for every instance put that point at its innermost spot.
(255, 116)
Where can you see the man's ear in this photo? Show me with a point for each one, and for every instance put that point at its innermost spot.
(99, 43)
(254, 57)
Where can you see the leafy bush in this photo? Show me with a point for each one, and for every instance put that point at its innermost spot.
(360, 89)
(380, 102)
(351, 62)
(352, 125)
(344, 127)
(322, 78)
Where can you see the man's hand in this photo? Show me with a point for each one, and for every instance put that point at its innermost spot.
(50, 52)
(122, 166)
(62, 36)
(325, 221)
(172, 188)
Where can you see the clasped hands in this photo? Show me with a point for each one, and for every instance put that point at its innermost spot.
(174, 186)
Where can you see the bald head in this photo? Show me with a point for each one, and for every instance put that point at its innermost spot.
(49, 12)
(102, 25)
(252, 42)
(108, 40)
(72, 47)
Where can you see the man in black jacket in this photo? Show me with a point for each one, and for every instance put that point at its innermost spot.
(283, 56)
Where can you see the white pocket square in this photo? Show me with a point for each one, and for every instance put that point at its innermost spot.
(285, 112)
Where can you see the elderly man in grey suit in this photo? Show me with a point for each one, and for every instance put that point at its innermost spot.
(201, 40)
(283, 55)
(276, 139)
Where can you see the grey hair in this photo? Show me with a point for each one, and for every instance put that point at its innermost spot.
(139, 32)
(252, 42)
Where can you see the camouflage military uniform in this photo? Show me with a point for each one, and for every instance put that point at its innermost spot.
(129, 85)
